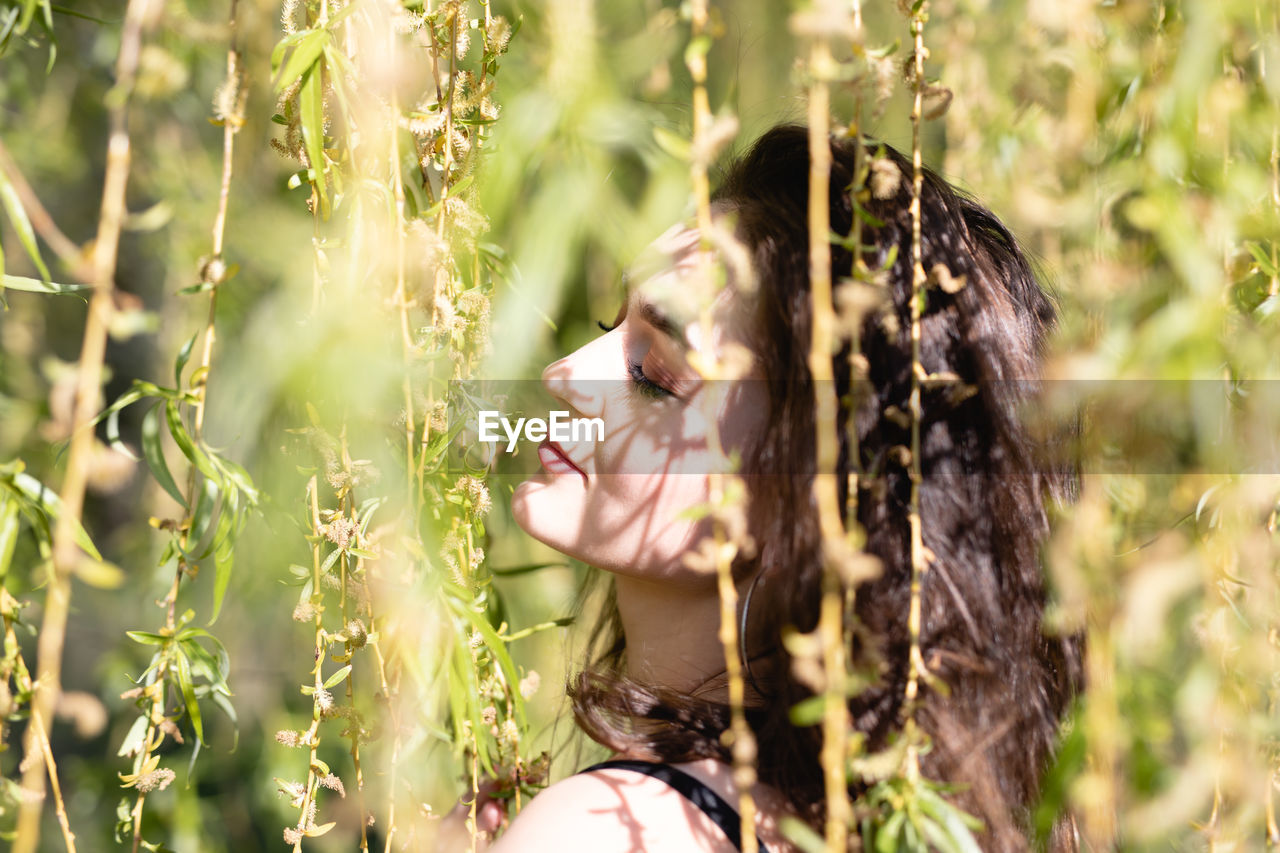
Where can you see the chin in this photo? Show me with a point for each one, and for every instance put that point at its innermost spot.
(540, 509)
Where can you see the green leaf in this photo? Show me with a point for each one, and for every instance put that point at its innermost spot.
(306, 51)
(184, 355)
(132, 743)
(35, 285)
(99, 574)
(202, 517)
(236, 474)
(189, 694)
(223, 560)
(1265, 264)
(802, 835)
(341, 15)
(22, 226)
(808, 712)
(154, 454)
(125, 400)
(148, 638)
(337, 677)
(888, 832)
(39, 494)
(113, 435)
(178, 430)
(311, 101)
(226, 521)
(697, 48)
(213, 666)
(495, 645)
(330, 560)
(526, 568)
(8, 532)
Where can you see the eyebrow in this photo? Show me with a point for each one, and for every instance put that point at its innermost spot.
(654, 316)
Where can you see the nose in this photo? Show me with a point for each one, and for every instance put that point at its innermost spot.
(578, 379)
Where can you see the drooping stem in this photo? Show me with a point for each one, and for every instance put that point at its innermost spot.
(857, 371)
(215, 269)
(212, 274)
(740, 738)
(915, 663)
(835, 717)
(88, 385)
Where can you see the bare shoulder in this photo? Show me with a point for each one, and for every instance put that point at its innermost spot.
(611, 811)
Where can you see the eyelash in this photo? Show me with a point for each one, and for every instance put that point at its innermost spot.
(644, 385)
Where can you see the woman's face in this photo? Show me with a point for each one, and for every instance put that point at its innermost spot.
(626, 503)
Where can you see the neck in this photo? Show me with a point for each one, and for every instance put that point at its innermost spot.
(673, 636)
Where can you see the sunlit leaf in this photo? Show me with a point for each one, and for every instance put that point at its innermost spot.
(337, 678)
(311, 101)
(307, 47)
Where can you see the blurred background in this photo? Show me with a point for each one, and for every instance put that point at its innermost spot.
(1131, 145)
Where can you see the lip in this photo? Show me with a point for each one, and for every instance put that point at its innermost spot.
(555, 461)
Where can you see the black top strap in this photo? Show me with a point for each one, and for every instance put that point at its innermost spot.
(712, 804)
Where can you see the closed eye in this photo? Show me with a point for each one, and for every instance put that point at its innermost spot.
(644, 385)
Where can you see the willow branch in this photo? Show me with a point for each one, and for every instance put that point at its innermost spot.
(915, 664)
(741, 739)
(88, 385)
(835, 717)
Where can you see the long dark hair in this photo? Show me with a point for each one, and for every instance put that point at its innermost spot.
(983, 502)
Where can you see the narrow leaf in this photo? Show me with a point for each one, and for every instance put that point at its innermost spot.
(182, 438)
(184, 355)
(132, 744)
(223, 560)
(189, 695)
(337, 677)
(113, 435)
(8, 532)
(1265, 264)
(22, 225)
(154, 454)
(147, 638)
(202, 517)
(311, 102)
(38, 493)
(35, 285)
(302, 58)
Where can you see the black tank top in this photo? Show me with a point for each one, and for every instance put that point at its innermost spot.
(712, 804)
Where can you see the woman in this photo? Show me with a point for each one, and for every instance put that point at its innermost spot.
(654, 689)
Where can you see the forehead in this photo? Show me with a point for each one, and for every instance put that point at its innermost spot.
(676, 281)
